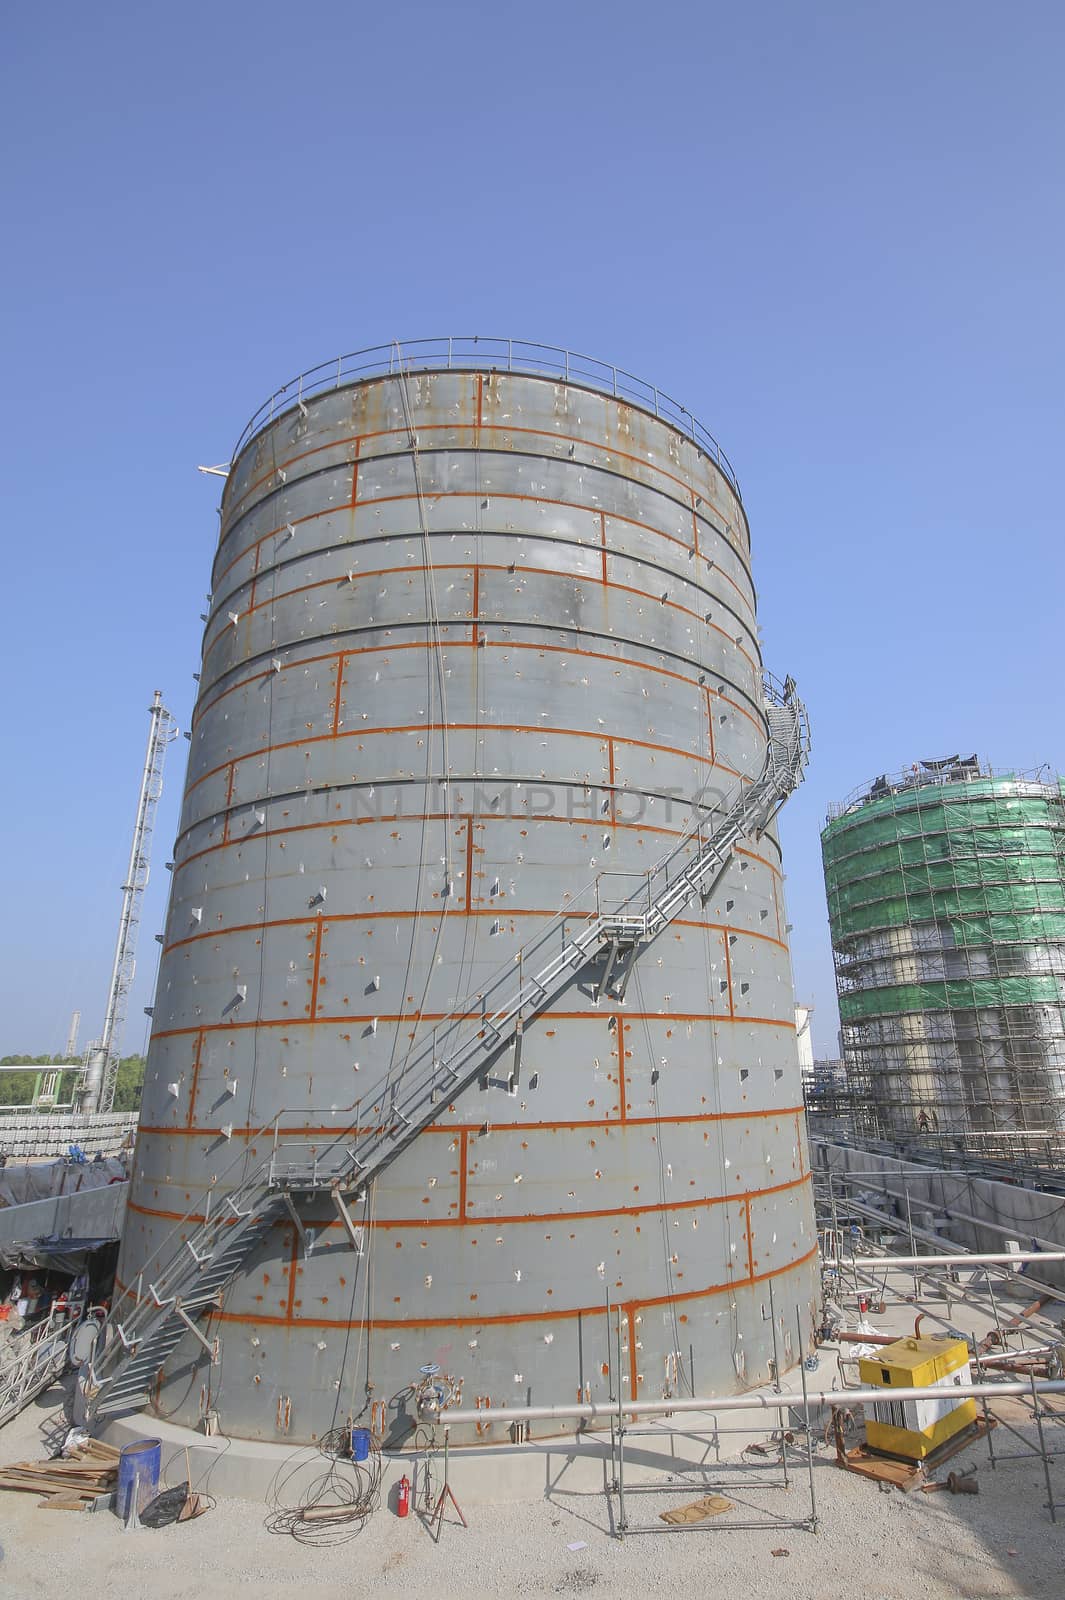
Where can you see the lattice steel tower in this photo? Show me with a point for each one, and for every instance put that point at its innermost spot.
(102, 1058)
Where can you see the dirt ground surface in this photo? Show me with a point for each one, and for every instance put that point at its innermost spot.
(871, 1544)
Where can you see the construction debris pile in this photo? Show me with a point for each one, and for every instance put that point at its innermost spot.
(78, 1480)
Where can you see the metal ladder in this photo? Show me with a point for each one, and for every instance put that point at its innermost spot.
(35, 1365)
(460, 1051)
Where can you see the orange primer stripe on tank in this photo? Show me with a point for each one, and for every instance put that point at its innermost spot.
(414, 816)
(491, 427)
(443, 816)
(414, 1224)
(622, 1087)
(443, 1016)
(292, 1264)
(459, 727)
(317, 966)
(647, 527)
(469, 866)
(354, 472)
(341, 663)
(448, 1130)
(228, 801)
(467, 494)
(538, 433)
(464, 1143)
(410, 916)
(197, 1058)
(487, 566)
(465, 644)
(504, 1320)
(262, 673)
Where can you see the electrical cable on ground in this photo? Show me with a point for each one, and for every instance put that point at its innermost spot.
(339, 1502)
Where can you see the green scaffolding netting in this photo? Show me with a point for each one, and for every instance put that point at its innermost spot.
(946, 893)
(996, 859)
(955, 994)
(965, 827)
(987, 861)
(990, 801)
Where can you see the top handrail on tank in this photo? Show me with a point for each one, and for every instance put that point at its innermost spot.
(473, 353)
(920, 776)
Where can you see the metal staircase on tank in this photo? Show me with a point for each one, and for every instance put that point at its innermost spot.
(461, 1050)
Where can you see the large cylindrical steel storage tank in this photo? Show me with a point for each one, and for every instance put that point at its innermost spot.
(480, 630)
(946, 897)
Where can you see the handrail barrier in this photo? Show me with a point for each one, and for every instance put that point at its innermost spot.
(473, 353)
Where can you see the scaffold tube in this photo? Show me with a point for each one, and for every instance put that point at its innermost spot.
(594, 1411)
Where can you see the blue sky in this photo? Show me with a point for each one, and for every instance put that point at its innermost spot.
(834, 231)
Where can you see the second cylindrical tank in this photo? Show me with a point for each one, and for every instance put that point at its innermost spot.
(946, 894)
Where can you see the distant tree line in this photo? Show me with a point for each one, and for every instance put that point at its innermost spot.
(16, 1088)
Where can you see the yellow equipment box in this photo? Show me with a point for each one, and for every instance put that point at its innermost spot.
(913, 1429)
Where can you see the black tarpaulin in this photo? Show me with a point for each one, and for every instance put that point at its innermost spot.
(55, 1254)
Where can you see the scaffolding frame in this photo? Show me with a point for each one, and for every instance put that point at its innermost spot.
(845, 1251)
(946, 893)
(734, 1475)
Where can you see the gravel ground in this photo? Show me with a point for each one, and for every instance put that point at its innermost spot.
(871, 1546)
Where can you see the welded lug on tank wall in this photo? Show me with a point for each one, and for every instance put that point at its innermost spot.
(553, 607)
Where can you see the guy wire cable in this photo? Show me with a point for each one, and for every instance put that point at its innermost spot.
(435, 657)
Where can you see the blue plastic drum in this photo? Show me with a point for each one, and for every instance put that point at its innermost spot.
(138, 1463)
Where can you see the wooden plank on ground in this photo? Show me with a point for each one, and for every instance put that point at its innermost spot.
(711, 1505)
(881, 1470)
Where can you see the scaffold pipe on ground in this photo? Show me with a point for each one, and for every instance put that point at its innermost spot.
(712, 1404)
(951, 1213)
(1019, 1257)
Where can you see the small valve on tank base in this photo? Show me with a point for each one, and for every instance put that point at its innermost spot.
(433, 1393)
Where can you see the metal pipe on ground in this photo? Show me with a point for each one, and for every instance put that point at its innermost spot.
(1006, 1257)
(593, 1411)
(1047, 1246)
(1045, 1289)
(1033, 1352)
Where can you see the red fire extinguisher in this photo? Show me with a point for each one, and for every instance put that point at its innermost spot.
(403, 1497)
